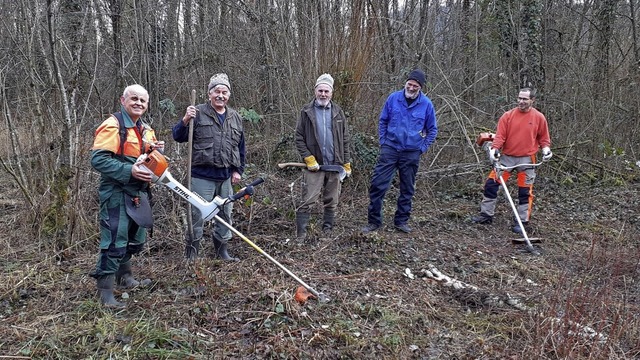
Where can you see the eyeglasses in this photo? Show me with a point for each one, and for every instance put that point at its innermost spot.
(523, 99)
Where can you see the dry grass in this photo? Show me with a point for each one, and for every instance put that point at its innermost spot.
(588, 276)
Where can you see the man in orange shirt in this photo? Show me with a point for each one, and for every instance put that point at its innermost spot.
(521, 132)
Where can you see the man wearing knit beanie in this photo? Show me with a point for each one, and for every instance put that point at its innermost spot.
(418, 76)
(322, 138)
(218, 159)
(406, 129)
(326, 79)
(219, 79)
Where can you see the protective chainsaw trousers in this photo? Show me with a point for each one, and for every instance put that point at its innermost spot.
(120, 236)
(525, 178)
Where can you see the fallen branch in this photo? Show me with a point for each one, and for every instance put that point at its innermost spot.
(486, 299)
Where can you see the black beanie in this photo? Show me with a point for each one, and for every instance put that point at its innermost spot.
(418, 76)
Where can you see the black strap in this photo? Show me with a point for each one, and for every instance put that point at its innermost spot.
(123, 132)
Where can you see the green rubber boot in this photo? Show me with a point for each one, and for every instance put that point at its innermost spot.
(302, 221)
(105, 288)
(124, 277)
(221, 250)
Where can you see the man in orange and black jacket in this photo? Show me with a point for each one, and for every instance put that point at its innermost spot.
(125, 211)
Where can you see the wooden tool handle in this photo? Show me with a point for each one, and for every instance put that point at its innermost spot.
(284, 165)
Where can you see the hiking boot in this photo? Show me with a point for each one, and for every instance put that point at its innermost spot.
(403, 228)
(482, 218)
(370, 228)
(516, 228)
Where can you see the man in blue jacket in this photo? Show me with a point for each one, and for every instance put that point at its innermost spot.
(406, 130)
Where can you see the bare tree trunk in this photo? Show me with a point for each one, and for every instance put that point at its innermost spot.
(13, 138)
(605, 17)
(116, 12)
(467, 51)
(634, 36)
(531, 74)
(59, 219)
(508, 40)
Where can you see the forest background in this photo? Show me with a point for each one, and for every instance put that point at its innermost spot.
(65, 63)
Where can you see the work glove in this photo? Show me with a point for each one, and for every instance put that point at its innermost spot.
(546, 153)
(347, 168)
(312, 164)
(494, 155)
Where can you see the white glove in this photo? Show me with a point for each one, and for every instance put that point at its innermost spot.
(494, 155)
(546, 153)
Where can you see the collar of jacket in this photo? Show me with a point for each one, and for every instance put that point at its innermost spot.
(128, 122)
(210, 111)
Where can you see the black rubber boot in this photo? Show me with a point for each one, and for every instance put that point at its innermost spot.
(327, 221)
(221, 250)
(124, 277)
(105, 288)
(192, 249)
(302, 220)
(518, 230)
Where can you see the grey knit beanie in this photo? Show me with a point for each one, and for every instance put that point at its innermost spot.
(219, 79)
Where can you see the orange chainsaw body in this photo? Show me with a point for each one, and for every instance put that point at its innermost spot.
(156, 162)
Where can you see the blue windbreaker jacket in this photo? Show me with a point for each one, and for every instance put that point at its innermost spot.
(407, 128)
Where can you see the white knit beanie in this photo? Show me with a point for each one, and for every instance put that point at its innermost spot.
(325, 79)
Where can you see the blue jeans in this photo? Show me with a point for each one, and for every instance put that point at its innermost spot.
(406, 164)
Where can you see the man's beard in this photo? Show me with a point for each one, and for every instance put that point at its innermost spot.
(322, 102)
(409, 95)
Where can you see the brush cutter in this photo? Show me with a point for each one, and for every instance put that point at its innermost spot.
(330, 168)
(157, 165)
(499, 168)
(485, 140)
